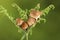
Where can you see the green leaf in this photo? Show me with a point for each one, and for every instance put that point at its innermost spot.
(46, 10)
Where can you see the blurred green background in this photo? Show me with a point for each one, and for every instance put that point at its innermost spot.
(44, 31)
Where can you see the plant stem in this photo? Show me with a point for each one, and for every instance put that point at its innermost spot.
(26, 36)
(23, 37)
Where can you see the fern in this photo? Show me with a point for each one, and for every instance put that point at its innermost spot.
(24, 15)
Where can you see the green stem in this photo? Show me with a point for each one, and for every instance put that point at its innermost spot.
(26, 36)
(23, 37)
(31, 32)
(3, 10)
(46, 10)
